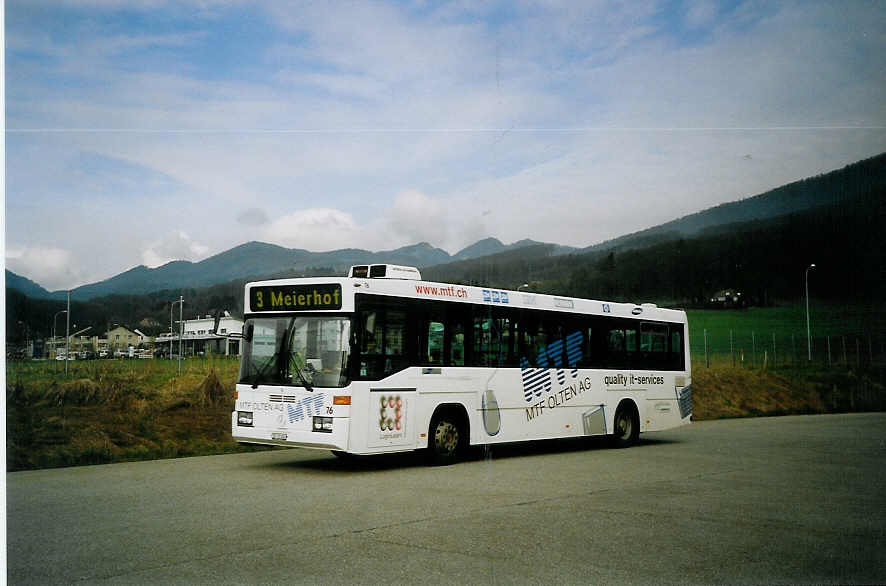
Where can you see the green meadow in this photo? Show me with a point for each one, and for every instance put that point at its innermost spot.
(122, 410)
(117, 410)
(778, 334)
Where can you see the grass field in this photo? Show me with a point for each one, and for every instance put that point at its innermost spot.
(117, 410)
(122, 410)
(778, 334)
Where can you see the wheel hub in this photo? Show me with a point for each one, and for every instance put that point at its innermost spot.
(446, 437)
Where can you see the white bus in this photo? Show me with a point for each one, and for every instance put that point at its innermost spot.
(381, 361)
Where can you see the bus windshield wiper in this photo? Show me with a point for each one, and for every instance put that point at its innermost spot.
(293, 362)
(260, 372)
(301, 376)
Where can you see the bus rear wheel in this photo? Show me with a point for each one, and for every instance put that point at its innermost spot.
(627, 426)
(446, 439)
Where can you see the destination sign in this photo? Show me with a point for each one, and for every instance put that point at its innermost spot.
(295, 297)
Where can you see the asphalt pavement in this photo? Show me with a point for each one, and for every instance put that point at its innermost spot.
(771, 500)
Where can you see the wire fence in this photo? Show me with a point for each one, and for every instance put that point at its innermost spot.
(773, 350)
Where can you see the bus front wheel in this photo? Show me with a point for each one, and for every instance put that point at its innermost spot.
(627, 426)
(446, 438)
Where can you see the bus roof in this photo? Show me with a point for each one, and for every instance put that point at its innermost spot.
(429, 290)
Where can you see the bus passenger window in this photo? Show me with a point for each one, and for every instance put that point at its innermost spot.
(395, 332)
(587, 349)
(485, 342)
(436, 333)
(372, 336)
(653, 345)
(676, 342)
(539, 347)
(616, 341)
(631, 347)
(457, 345)
(617, 344)
(676, 361)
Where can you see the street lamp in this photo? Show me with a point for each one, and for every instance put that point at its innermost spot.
(808, 331)
(181, 302)
(523, 285)
(68, 334)
(54, 341)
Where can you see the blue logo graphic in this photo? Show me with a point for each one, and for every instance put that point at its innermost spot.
(495, 296)
(537, 381)
(305, 407)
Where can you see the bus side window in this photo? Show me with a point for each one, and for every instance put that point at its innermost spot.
(372, 336)
(457, 344)
(630, 340)
(486, 341)
(621, 348)
(653, 346)
(676, 359)
(539, 347)
(436, 335)
(503, 332)
(555, 345)
(525, 335)
(588, 348)
(615, 347)
(511, 341)
(395, 338)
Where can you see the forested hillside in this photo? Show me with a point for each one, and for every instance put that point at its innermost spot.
(837, 223)
(765, 259)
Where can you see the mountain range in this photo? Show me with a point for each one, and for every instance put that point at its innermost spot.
(254, 260)
(260, 260)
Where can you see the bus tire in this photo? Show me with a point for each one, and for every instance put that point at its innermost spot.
(446, 438)
(626, 427)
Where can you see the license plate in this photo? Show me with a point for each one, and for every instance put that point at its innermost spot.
(278, 435)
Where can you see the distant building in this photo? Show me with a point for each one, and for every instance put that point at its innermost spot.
(727, 298)
(204, 335)
(120, 338)
(79, 344)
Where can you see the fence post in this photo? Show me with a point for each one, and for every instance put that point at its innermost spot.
(829, 351)
(731, 349)
(774, 355)
(706, 361)
(753, 350)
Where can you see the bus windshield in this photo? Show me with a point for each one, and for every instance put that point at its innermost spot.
(308, 351)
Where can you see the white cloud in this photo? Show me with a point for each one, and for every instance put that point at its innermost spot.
(325, 122)
(175, 245)
(417, 217)
(52, 268)
(253, 217)
(316, 229)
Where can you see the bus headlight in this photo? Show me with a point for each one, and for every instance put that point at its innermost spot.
(244, 418)
(323, 424)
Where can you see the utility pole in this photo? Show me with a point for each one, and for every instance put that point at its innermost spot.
(808, 331)
(68, 334)
(181, 333)
(181, 302)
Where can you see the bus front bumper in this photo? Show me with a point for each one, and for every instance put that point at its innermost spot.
(326, 433)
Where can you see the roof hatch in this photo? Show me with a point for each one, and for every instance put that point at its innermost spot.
(384, 271)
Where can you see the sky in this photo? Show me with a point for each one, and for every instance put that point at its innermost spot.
(145, 131)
